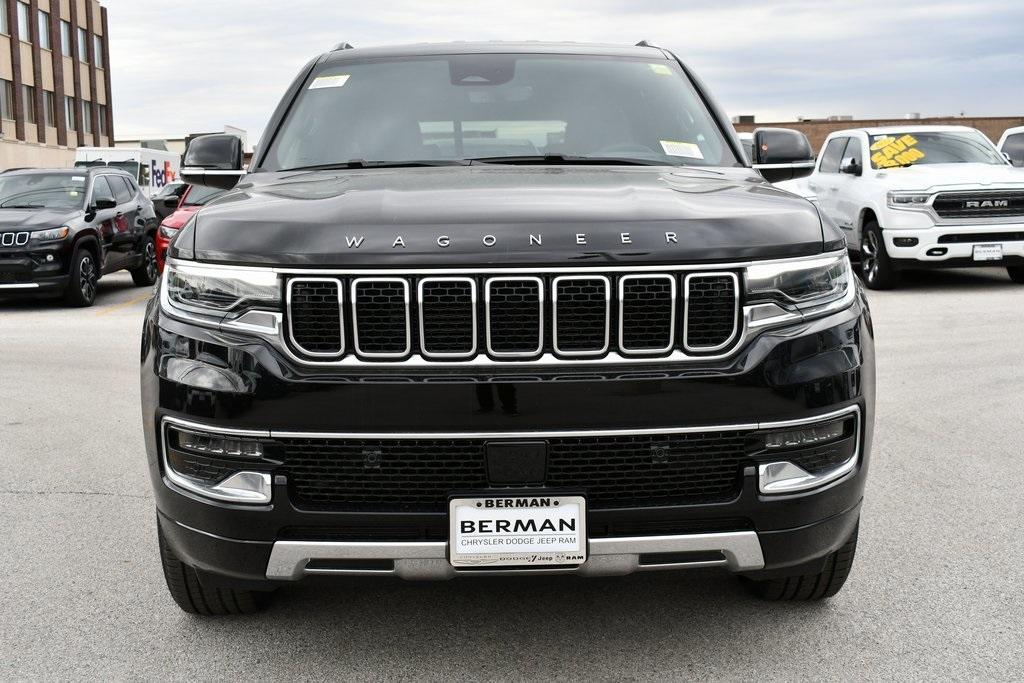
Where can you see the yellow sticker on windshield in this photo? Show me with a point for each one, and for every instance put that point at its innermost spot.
(660, 69)
(889, 151)
(328, 81)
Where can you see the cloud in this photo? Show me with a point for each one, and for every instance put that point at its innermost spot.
(194, 66)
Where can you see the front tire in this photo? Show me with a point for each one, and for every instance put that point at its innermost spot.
(193, 597)
(83, 280)
(1016, 274)
(146, 273)
(814, 586)
(876, 267)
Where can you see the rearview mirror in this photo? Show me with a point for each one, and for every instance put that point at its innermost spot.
(213, 160)
(782, 154)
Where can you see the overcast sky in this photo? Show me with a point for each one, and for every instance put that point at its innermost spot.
(193, 66)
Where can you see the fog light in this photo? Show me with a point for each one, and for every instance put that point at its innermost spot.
(937, 251)
(49, 258)
(217, 466)
(905, 241)
(804, 436)
(210, 444)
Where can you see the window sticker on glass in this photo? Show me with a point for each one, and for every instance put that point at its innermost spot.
(888, 151)
(675, 148)
(78, 177)
(660, 69)
(328, 81)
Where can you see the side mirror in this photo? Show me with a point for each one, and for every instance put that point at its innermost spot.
(214, 161)
(782, 154)
(101, 204)
(850, 166)
(171, 202)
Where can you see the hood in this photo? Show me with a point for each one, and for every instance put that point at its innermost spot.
(937, 177)
(179, 217)
(502, 216)
(35, 219)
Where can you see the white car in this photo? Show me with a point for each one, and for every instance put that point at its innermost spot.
(921, 196)
(1011, 144)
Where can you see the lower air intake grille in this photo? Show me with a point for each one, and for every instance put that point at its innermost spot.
(314, 316)
(711, 311)
(380, 311)
(418, 474)
(514, 317)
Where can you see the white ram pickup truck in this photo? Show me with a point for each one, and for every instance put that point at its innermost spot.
(913, 197)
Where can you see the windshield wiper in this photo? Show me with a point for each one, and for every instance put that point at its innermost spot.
(362, 163)
(572, 160)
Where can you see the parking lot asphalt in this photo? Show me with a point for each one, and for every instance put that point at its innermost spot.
(936, 589)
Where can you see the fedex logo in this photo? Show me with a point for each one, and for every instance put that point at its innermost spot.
(161, 175)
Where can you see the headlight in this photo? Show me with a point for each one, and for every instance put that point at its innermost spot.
(805, 286)
(907, 200)
(51, 235)
(220, 292)
(167, 232)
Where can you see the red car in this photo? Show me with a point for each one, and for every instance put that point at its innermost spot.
(195, 198)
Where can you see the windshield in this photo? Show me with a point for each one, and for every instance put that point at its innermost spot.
(200, 195)
(456, 107)
(906, 149)
(42, 191)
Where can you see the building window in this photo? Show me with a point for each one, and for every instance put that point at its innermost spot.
(83, 45)
(69, 112)
(87, 117)
(97, 50)
(28, 103)
(44, 30)
(4, 28)
(49, 109)
(6, 99)
(103, 119)
(23, 22)
(65, 38)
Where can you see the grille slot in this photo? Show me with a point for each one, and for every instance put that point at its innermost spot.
(515, 316)
(979, 204)
(418, 474)
(315, 320)
(711, 311)
(380, 317)
(982, 237)
(647, 314)
(581, 306)
(447, 308)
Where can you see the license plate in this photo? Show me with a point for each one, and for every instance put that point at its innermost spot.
(988, 252)
(510, 531)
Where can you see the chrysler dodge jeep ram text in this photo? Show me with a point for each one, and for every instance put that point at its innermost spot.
(484, 309)
(62, 229)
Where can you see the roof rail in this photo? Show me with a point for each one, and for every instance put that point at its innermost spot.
(644, 43)
(342, 46)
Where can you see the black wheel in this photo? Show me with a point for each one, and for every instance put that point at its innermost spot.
(83, 280)
(816, 586)
(1016, 274)
(875, 265)
(146, 273)
(194, 598)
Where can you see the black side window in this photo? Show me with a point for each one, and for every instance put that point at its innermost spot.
(101, 189)
(853, 153)
(832, 155)
(121, 189)
(1013, 146)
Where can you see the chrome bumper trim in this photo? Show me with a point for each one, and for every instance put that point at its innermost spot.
(740, 550)
(20, 285)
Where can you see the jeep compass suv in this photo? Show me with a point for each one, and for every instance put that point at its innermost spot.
(482, 309)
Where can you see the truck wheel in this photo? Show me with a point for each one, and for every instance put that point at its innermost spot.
(1016, 274)
(817, 586)
(82, 280)
(194, 598)
(146, 273)
(875, 265)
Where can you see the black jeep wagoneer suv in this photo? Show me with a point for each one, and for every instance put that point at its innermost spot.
(503, 308)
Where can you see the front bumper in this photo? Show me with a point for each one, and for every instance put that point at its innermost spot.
(41, 271)
(952, 245)
(784, 374)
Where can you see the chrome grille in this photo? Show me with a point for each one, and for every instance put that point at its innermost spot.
(14, 239)
(991, 204)
(513, 317)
